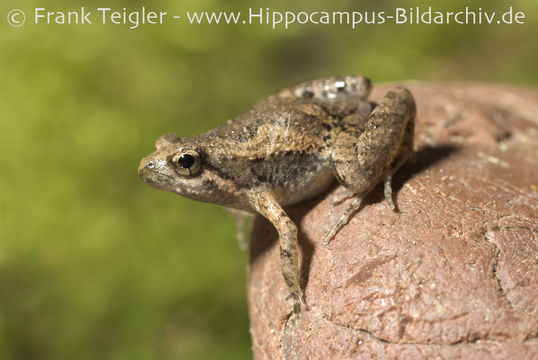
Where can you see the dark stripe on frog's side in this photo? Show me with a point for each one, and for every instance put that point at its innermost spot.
(278, 170)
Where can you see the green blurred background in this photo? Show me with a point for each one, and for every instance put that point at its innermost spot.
(94, 264)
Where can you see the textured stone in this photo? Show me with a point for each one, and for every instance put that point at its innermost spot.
(453, 275)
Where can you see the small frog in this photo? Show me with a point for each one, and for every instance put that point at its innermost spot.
(288, 148)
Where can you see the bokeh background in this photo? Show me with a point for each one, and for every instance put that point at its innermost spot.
(94, 264)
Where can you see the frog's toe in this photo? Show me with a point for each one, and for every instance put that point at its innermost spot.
(388, 193)
(304, 304)
(300, 303)
(344, 219)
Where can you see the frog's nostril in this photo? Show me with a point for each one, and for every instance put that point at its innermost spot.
(145, 165)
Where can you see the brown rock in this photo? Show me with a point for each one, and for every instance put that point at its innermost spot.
(453, 275)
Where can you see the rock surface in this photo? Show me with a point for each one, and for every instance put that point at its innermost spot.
(453, 275)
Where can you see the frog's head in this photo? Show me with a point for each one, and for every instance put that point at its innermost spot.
(180, 165)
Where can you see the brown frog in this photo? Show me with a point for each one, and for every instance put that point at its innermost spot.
(289, 148)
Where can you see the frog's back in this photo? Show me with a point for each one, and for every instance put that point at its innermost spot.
(269, 121)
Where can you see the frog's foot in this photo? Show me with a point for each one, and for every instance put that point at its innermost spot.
(299, 302)
(388, 193)
(402, 158)
(344, 219)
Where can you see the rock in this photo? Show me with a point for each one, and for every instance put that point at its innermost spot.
(453, 275)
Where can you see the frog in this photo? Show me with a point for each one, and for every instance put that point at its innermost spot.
(291, 147)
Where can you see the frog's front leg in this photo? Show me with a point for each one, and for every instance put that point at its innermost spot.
(265, 203)
(361, 161)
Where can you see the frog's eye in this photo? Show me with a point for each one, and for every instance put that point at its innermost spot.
(187, 162)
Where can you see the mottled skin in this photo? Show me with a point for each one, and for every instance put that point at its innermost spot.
(288, 148)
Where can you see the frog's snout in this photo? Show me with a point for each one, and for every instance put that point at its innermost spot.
(145, 167)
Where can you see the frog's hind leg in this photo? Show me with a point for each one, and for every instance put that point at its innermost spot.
(361, 162)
